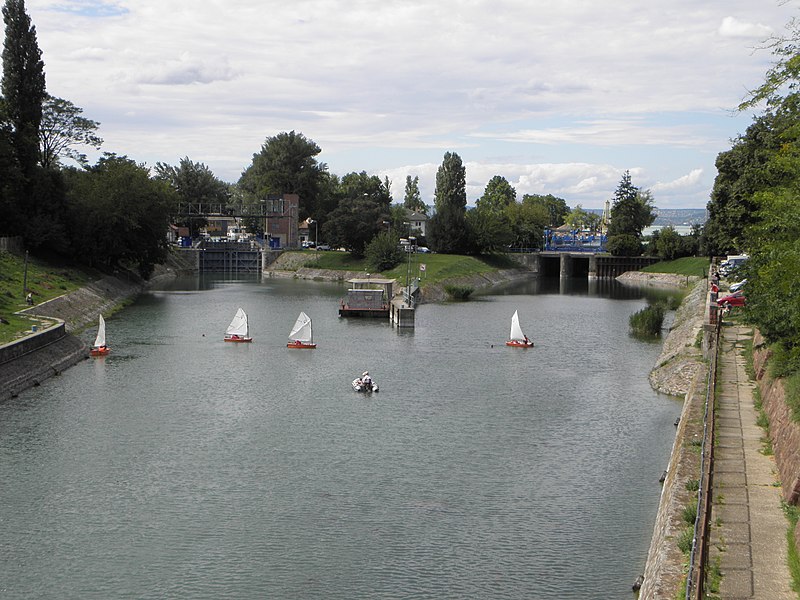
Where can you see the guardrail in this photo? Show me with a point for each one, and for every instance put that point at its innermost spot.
(695, 579)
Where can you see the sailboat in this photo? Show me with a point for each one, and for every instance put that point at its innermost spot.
(238, 330)
(517, 338)
(99, 348)
(301, 335)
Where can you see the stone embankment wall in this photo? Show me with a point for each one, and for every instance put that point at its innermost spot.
(34, 358)
(784, 431)
(83, 306)
(680, 371)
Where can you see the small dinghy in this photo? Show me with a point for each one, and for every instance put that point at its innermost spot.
(365, 384)
(517, 339)
(301, 335)
(239, 329)
(99, 348)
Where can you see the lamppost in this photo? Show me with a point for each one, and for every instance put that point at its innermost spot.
(316, 230)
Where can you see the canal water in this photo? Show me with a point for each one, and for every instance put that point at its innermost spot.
(181, 466)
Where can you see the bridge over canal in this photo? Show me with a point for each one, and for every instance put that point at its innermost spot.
(593, 265)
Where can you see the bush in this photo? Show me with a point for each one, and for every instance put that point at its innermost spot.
(383, 253)
(624, 245)
(648, 321)
(459, 292)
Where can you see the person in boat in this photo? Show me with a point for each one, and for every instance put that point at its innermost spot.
(366, 380)
(527, 341)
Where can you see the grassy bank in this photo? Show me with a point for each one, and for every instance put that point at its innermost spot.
(438, 267)
(44, 281)
(690, 265)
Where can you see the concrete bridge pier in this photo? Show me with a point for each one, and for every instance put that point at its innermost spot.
(592, 267)
(565, 270)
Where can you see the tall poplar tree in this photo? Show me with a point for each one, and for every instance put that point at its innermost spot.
(448, 230)
(412, 199)
(23, 85)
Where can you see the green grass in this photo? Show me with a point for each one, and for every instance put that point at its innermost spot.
(792, 515)
(45, 281)
(438, 267)
(689, 265)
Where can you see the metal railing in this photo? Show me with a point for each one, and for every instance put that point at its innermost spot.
(698, 559)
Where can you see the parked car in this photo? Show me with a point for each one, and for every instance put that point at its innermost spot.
(323, 247)
(423, 249)
(735, 299)
(738, 285)
(733, 261)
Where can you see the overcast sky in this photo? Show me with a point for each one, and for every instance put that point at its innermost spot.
(558, 96)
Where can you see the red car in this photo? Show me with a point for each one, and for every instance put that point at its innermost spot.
(735, 299)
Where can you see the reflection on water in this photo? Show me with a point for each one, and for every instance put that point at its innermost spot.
(183, 467)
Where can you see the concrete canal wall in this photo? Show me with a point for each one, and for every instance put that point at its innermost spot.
(31, 360)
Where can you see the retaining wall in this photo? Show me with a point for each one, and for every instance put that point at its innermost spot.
(784, 431)
(31, 360)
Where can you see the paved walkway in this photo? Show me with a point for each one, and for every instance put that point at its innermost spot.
(748, 527)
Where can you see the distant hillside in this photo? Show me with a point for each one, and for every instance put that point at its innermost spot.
(680, 216)
(672, 216)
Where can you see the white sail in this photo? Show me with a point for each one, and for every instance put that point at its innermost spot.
(100, 340)
(239, 325)
(302, 329)
(516, 330)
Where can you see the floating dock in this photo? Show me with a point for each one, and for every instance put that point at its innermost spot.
(369, 297)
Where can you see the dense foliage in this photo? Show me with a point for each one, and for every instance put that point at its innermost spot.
(648, 321)
(754, 206)
(447, 230)
(286, 164)
(631, 212)
(383, 252)
(412, 200)
(363, 207)
(194, 183)
(118, 214)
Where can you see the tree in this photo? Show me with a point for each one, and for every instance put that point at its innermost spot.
(194, 184)
(23, 84)
(448, 228)
(631, 212)
(286, 164)
(363, 208)
(669, 244)
(528, 220)
(556, 208)
(497, 196)
(62, 128)
(490, 231)
(741, 172)
(119, 215)
(413, 200)
(582, 219)
(383, 252)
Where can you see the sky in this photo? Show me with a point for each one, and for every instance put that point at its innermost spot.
(559, 97)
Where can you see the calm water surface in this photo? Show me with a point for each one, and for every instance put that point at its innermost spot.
(184, 467)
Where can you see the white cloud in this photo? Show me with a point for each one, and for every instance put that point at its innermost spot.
(733, 27)
(381, 85)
